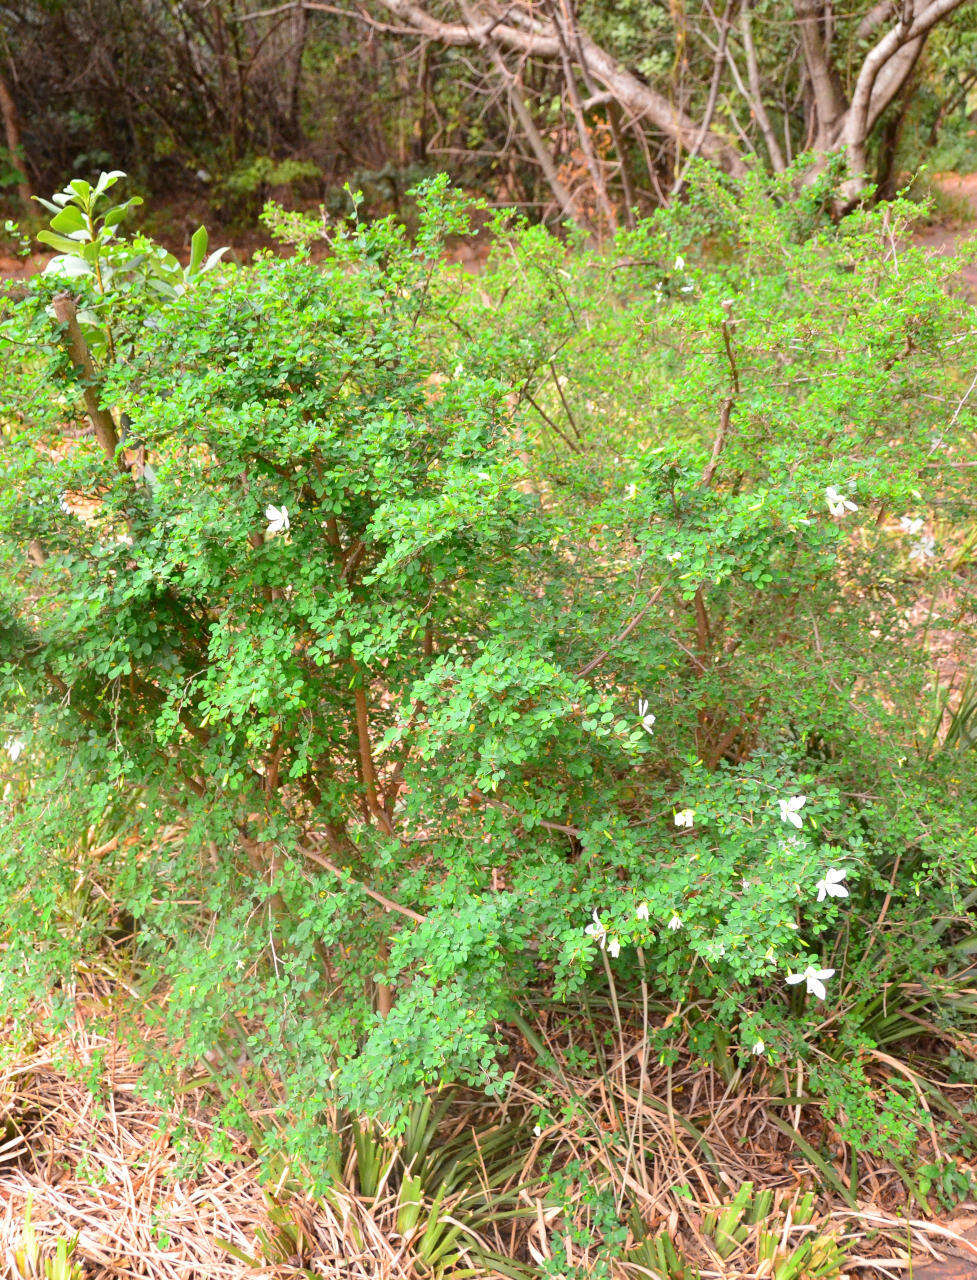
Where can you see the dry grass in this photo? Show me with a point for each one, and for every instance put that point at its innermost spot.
(677, 1141)
(671, 1141)
(107, 1168)
(108, 1171)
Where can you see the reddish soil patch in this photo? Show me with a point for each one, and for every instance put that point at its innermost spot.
(947, 239)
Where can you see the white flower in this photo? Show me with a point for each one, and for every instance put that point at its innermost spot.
(675, 923)
(642, 911)
(63, 504)
(684, 817)
(647, 719)
(14, 748)
(744, 885)
(831, 886)
(909, 525)
(631, 492)
(789, 809)
(537, 1131)
(924, 549)
(674, 557)
(838, 504)
(679, 263)
(277, 518)
(597, 931)
(759, 1049)
(814, 978)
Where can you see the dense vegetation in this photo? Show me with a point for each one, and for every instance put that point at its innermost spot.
(396, 661)
(583, 110)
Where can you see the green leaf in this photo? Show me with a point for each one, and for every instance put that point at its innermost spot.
(198, 247)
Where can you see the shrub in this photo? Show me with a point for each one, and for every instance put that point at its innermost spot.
(419, 648)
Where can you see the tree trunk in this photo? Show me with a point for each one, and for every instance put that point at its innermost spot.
(11, 129)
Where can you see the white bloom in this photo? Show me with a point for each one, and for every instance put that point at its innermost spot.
(14, 748)
(909, 525)
(537, 1131)
(674, 557)
(597, 931)
(684, 817)
(831, 886)
(814, 978)
(838, 504)
(759, 1049)
(744, 885)
(924, 549)
(63, 504)
(789, 809)
(675, 923)
(642, 911)
(631, 492)
(277, 518)
(679, 263)
(647, 719)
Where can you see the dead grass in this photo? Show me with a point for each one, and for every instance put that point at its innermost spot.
(673, 1142)
(108, 1168)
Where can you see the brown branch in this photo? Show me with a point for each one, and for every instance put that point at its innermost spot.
(621, 636)
(756, 92)
(66, 314)
(366, 759)
(520, 33)
(388, 904)
(827, 98)
(867, 101)
(726, 408)
(562, 25)
(713, 97)
(11, 129)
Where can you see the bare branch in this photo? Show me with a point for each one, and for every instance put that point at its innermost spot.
(719, 57)
(519, 32)
(830, 106)
(756, 92)
(870, 96)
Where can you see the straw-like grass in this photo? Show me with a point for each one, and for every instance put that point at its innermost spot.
(669, 1144)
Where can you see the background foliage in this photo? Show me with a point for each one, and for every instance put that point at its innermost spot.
(230, 101)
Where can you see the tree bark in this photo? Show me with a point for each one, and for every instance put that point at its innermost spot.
(882, 75)
(66, 314)
(520, 32)
(11, 129)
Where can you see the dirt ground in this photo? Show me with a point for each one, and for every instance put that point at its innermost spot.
(947, 238)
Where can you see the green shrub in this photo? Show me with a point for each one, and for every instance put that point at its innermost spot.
(435, 646)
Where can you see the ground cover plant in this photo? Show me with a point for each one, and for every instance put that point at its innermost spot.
(426, 679)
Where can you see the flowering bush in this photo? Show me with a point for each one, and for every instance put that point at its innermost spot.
(386, 650)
